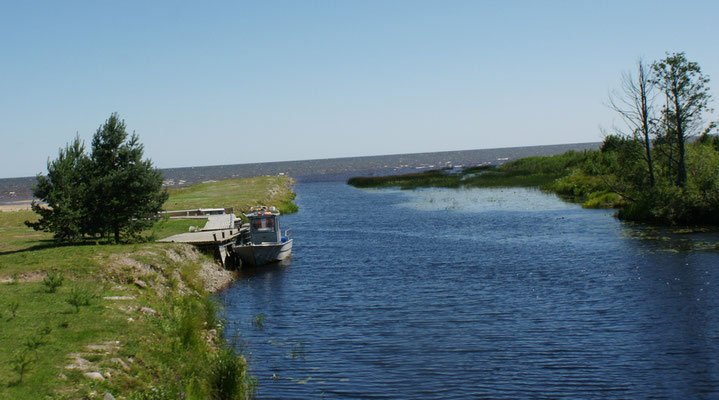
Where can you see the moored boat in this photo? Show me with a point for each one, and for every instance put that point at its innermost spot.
(264, 241)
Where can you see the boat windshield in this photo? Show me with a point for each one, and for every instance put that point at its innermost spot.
(264, 224)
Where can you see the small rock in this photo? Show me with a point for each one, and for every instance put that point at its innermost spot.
(148, 311)
(123, 365)
(96, 376)
(129, 319)
(119, 298)
(63, 377)
(108, 396)
(107, 375)
(140, 284)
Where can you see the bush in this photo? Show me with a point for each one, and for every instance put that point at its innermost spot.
(21, 362)
(79, 297)
(52, 281)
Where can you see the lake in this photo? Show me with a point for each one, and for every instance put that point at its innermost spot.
(481, 293)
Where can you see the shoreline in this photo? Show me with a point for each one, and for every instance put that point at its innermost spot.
(14, 207)
(150, 307)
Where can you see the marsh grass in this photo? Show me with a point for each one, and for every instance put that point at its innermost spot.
(229, 378)
(561, 174)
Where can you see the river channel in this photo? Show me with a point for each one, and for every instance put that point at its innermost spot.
(482, 293)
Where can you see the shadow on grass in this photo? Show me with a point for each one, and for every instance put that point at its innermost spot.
(50, 244)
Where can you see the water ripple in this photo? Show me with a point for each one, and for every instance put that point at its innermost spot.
(387, 298)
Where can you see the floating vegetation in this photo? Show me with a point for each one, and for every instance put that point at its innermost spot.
(298, 351)
(258, 321)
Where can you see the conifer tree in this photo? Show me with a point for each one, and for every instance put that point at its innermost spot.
(125, 190)
(63, 193)
(111, 193)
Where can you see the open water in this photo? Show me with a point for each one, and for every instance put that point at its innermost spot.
(19, 190)
(482, 293)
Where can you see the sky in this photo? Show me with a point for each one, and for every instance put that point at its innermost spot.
(211, 83)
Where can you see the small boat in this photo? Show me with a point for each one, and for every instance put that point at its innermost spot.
(262, 242)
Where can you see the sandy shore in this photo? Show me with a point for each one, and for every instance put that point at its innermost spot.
(14, 207)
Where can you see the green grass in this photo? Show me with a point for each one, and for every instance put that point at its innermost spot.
(169, 354)
(68, 332)
(241, 193)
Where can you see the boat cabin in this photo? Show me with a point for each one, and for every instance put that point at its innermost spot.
(265, 225)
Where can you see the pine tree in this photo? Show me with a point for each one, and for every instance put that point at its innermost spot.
(111, 193)
(63, 193)
(126, 191)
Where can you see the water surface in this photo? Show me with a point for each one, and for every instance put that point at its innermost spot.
(478, 293)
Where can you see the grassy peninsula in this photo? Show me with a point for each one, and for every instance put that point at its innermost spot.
(612, 177)
(661, 168)
(525, 172)
(133, 319)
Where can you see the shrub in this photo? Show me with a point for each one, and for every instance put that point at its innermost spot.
(21, 362)
(13, 305)
(79, 297)
(52, 281)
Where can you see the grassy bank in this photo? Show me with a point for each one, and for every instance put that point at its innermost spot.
(134, 320)
(240, 193)
(614, 177)
(567, 175)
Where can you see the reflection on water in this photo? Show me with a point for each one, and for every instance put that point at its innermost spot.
(481, 200)
(472, 294)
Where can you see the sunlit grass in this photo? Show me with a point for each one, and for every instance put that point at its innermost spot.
(40, 329)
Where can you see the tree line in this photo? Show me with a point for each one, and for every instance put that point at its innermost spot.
(110, 193)
(664, 161)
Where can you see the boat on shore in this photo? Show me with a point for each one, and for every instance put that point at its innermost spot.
(262, 241)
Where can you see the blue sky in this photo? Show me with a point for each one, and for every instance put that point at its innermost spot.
(202, 82)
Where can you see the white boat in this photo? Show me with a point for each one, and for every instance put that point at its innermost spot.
(263, 241)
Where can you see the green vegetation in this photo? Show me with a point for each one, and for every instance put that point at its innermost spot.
(525, 172)
(241, 193)
(73, 309)
(111, 192)
(651, 172)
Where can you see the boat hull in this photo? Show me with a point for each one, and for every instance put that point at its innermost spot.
(264, 253)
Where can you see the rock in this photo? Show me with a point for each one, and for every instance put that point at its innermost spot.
(108, 396)
(122, 364)
(211, 335)
(96, 376)
(140, 284)
(148, 311)
(107, 375)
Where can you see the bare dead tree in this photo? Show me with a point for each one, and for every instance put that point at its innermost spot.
(634, 103)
